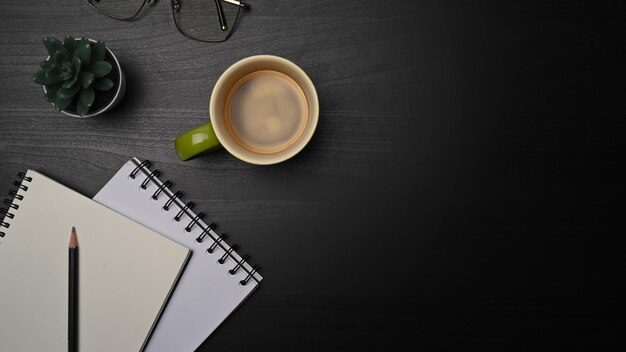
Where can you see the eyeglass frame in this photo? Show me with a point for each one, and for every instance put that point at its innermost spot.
(175, 4)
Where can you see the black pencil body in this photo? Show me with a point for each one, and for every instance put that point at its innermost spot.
(72, 328)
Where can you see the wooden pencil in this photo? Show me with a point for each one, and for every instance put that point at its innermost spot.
(72, 328)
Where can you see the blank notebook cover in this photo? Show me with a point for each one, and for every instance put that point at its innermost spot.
(126, 272)
(208, 291)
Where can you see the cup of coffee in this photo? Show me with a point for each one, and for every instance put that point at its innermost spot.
(263, 110)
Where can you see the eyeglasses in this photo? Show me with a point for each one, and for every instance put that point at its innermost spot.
(203, 20)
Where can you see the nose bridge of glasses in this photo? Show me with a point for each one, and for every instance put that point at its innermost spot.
(175, 5)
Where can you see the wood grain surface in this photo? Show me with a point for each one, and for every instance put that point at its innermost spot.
(464, 188)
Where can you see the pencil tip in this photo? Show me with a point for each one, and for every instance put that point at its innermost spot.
(73, 238)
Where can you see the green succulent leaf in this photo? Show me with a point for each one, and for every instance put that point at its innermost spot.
(51, 92)
(78, 63)
(59, 58)
(100, 68)
(44, 76)
(46, 64)
(98, 51)
(53, 45)
(81, 108)
(83, 52)
(62, 103)
(70, 82)
(70, 44)
(69, 92)
(54, 76)
(39, 77)
(83, 41)
(86, 79)
(67, 73)
(87, 96)
(103, 84)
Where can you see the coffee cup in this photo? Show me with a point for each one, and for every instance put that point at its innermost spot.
(263, 109)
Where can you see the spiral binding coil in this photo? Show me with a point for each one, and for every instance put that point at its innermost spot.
(145, 163)
(216, 243)
(183, 211)
(244, 282)
(10, 202)
(174, 198)
(150, 177)
(163, 185)
(169, 202)
(233, 271)
(227, 254)
(205, 232)
(195, 220)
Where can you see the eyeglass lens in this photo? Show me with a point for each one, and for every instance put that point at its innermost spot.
(120, 9)
(197, 19)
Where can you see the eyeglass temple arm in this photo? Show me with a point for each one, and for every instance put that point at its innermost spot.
(176, 3)
(238, 3)
(220, 14)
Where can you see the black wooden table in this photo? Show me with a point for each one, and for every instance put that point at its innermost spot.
(464, 187)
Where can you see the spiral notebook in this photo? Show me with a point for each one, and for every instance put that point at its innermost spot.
(126, 274)
(217, 279)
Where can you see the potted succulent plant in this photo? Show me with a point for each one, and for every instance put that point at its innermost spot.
(81, 77)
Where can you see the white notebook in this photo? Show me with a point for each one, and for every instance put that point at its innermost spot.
(207, 292)
(126, 272)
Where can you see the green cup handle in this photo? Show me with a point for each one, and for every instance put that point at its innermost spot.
(197, 141)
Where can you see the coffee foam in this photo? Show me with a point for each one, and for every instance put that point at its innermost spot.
(266, 111)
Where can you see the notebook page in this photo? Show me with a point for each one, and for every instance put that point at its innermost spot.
(206, 293)
(126, 273)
